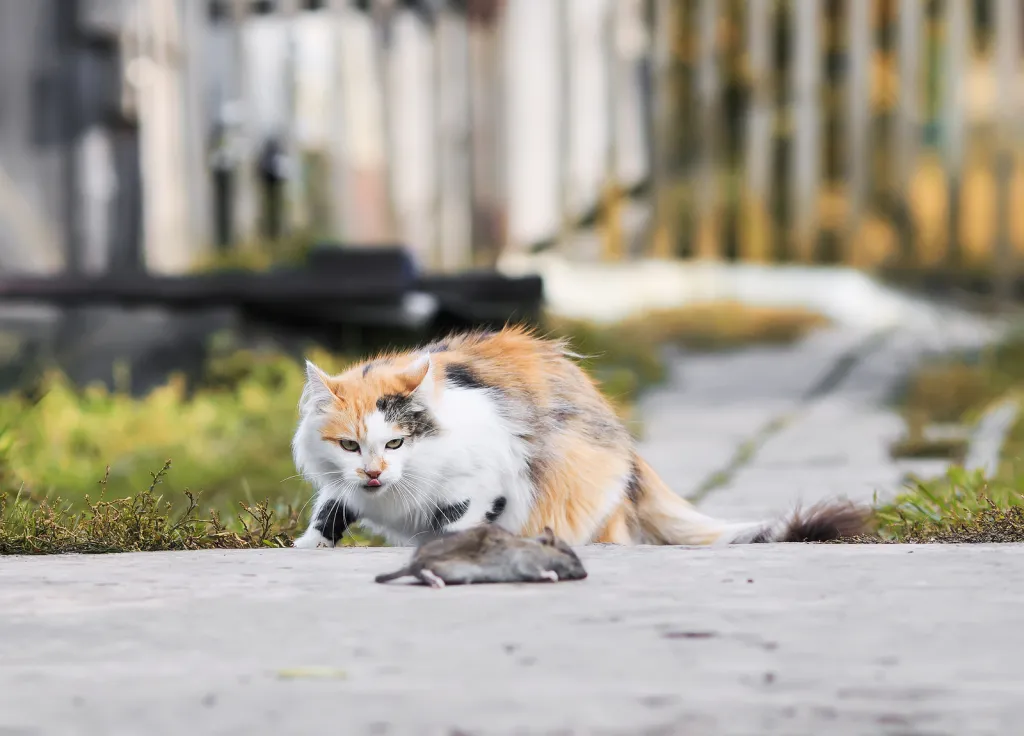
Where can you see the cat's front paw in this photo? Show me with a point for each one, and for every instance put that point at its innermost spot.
(311, 539)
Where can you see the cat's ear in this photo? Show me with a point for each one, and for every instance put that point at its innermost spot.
(418, 378)
(318, 393)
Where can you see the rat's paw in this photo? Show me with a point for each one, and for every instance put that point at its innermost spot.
(432, 580)
(549, 575)
(311, 539)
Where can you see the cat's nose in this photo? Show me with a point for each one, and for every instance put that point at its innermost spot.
(373, 474)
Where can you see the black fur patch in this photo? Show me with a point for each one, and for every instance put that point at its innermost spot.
(408, 415)
(334, 518)
(462, 376)
(497, 509)
(446, 515)
(633, 488)
(826, 522)
(762, 537)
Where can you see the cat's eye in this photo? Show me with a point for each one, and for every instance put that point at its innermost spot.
(395, 444)
(350, 445)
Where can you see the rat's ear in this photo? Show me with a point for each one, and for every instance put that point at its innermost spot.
(547, 536)
(318, 392)
(418, 378)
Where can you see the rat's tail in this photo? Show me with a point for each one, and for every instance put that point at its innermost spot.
(667, 518)
(388, 577)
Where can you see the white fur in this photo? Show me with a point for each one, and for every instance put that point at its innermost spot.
(475, 456)
(313, 539)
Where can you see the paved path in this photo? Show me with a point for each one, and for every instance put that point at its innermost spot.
(749, 434)
(781, 639)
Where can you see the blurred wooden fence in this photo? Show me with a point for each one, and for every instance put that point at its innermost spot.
(863, 132)
(854, 131)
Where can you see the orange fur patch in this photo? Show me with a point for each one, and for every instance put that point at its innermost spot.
(616, 529)
(571, 490)
(356, 394)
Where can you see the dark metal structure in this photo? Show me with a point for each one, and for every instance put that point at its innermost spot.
(350, 300)
(74, 152)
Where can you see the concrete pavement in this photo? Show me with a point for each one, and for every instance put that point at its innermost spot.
(780, 639)
(749, 434)
(764, 639)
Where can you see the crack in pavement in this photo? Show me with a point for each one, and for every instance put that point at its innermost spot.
(826, 385)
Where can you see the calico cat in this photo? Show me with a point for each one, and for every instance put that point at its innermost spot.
(498, 428)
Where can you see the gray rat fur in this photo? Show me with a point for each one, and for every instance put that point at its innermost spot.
(489, 554)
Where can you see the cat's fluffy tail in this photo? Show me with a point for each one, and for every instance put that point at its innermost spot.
(667, 518)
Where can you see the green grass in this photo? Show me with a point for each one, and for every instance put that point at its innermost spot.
(87, 469)
(961, 507)
(142, 522)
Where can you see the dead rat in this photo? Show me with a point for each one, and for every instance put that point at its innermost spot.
(489, 554)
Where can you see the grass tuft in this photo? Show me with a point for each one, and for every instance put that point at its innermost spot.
(962, 507)
(143, 522)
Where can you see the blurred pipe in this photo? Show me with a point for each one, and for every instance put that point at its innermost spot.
(454, 154)
(487, 67)
(661, 121)
(780, 172)
(806, 138)
(437, 255)
(383, 12)
(199, 193)
(564, 123)
(858, 103)
(709, 87)
(611, 196)
(244, 227)
(908, 113)
(71, 129)
(1008, 70)
(757, 156)
(953, 101)
(296, 204)
(161, 114)
(339, 184)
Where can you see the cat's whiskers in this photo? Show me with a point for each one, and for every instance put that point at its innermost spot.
(312, 475)
(413, 480)
(419, 501)
(435, 483)
(321, 490)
